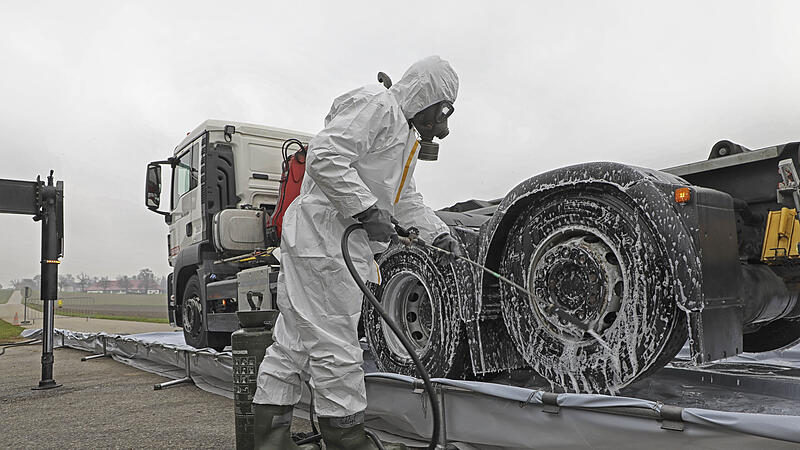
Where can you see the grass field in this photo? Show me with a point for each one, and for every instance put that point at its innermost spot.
(119, 299)
(8, 332)
(62, 312)
(137, 307)
(4, 295)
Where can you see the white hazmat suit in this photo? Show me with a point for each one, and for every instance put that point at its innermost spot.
(364, 156)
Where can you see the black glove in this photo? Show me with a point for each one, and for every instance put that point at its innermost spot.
(377, 223)
(447, 242)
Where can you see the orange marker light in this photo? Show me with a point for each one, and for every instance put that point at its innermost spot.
(683, 195)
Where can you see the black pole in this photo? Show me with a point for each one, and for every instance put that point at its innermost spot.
(49, 265)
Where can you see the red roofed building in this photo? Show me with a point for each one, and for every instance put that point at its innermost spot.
(134, 286)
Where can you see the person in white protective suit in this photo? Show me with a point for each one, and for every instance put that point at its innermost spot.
(359, 168)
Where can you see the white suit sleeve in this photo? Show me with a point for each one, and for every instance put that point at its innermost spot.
(411, 211)
(346, 138)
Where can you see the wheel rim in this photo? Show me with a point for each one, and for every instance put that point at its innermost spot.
(407, 301)
(577, 270)
(445, 354)
(191, 315)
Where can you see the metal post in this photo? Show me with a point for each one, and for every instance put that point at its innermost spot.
(45, 203)
(442, 419)
(25, 320)
(49, 290)
(186, 379)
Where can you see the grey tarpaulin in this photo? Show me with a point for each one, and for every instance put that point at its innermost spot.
(788, 357)
(486, 416)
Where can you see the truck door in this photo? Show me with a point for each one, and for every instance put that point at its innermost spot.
(186, 227)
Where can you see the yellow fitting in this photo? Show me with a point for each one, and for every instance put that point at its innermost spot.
(781, 236)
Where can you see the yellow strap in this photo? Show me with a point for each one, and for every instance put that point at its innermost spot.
(405, 170)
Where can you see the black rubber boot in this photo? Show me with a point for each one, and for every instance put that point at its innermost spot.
(347, 433)
(273, 428)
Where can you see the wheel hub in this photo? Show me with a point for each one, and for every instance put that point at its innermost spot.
(580, 274)
(407, 301)
(191, 315)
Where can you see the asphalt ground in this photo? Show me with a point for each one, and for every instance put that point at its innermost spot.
(106, 404)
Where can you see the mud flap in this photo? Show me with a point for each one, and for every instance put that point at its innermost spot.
(715, 328)
(491, 348)
(171, 301)
(715, 333)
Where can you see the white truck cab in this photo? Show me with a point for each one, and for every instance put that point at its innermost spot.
(224, 184)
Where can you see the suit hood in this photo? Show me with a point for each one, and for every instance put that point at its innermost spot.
(426, 82)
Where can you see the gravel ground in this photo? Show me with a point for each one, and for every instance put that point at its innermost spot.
(106, 404)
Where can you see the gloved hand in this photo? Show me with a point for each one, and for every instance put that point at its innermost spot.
(447, 242)
(377, 223)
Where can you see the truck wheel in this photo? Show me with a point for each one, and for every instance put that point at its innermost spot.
(773, 336)
(592, 253)
(422, 297)
(194, 330)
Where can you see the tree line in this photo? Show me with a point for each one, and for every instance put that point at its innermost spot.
(83, 281)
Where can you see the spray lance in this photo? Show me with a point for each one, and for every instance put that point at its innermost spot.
(411, 237)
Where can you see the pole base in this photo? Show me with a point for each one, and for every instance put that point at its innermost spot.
(25, 322)
(166, 384)
(46, 384)
(101, 355)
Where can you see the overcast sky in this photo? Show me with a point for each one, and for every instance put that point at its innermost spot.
(95, 90)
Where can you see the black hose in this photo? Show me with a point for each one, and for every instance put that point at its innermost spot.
(375, 439)
(435, 405)
(311, 410)
(5, 345)
(284, 175)
(308, 440)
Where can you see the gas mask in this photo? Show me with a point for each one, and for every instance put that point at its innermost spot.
(432, 122)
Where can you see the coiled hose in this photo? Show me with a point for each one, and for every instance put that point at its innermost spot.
(436, 407)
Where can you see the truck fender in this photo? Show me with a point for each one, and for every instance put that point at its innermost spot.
(648, 188)
(678, 227)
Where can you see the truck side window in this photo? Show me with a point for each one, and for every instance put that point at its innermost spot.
(185, 177)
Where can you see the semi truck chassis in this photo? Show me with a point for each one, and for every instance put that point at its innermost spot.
(648, 259)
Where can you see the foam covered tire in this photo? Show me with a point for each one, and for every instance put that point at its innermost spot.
(422, 297)
(195, 331)
(590, 252)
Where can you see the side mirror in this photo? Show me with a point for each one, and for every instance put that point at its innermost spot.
(152, 190)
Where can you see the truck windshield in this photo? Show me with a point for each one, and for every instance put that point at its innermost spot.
(184, 176)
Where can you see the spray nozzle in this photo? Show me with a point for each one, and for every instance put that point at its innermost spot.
(406, 236)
